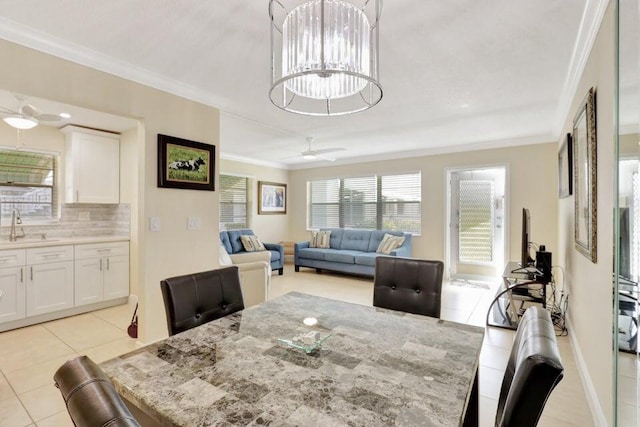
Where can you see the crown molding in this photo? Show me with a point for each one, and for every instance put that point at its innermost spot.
(44, 42)
(589, 25)
(252, 161)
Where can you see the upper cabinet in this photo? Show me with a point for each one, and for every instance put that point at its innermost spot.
(92, 166)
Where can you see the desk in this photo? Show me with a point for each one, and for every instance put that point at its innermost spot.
(525, 287)
(379, 368)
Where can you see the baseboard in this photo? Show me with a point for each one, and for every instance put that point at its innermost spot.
(599, 419)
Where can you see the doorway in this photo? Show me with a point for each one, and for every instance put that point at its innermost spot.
(476, 220)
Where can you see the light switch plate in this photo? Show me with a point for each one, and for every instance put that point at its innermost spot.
(193, 223)
(154, 223)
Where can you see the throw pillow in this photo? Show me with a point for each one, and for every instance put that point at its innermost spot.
(252, 243)
(223, 257)
(320, 239)
(389, 243)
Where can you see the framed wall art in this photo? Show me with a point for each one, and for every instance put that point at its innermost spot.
(565, 168)
(585, 177)
(272, 198)
(185, 164)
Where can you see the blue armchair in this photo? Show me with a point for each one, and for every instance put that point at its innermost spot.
(232, 243)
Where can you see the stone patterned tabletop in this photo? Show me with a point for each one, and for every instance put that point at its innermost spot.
(378, 368)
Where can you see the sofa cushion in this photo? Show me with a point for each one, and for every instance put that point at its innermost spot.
(378, 235)
(252, 244)
(390, 243)
(356, 240)
(234, 239)
(320, 239)
(342, 256)
(313, 253)
(224, 239)
(336, 237)
(368, 258)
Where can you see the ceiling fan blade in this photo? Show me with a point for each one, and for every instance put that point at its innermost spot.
(329, 150)
(48, 117)
(5, 110)
(327, 158)
(291, 157)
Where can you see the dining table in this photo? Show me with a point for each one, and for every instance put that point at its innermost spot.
(374, 367)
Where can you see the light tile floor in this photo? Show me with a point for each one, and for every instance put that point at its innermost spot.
(30, 356)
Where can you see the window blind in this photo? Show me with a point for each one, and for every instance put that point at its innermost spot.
(389, 202)
(233, 202)
(27, 183)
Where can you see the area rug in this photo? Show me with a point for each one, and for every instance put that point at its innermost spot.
(467, 283)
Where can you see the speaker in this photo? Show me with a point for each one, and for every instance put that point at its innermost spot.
(543, 263)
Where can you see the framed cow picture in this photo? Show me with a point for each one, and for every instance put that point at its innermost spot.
(185, 164)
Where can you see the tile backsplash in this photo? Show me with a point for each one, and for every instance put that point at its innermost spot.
(81, 220)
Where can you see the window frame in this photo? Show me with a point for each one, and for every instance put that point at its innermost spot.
(379, 203)
(55, 189)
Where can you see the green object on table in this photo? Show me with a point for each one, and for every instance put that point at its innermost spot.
(306, 348)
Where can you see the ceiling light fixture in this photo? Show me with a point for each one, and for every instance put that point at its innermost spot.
(20, 122)
(65, 115)
(324, 56)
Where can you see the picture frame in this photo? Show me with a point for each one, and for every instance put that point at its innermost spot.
(565, 168)
(585, 177)
(185, 164)
(272, 198)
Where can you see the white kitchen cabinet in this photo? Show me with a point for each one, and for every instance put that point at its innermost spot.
(49, 279)
(92, 166)
(101, 272)
(12, 294)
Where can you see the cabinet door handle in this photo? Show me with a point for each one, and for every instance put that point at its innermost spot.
(31, 273)
(107, 263)
(21, 274)
(100, 264)
(0, 294)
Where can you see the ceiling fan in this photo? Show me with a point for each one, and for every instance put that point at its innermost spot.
(26, 116)
(320, 154)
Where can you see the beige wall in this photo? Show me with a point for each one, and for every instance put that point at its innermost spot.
(531, 183)
(270, 228)
(589, 284)
(170, 251)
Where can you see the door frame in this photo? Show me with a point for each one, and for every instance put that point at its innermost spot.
(447, 209)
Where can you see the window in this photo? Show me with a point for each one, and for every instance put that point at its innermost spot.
(382, 202)
(27, 183)
(233, 202)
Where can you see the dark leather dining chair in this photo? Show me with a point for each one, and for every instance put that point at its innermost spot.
(194, 299)
(533, 370)
(91, 399)
(408, 284)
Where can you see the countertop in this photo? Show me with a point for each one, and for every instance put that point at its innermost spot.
(378, 368)
(59, 241)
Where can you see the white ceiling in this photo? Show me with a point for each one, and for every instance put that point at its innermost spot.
(457, 74)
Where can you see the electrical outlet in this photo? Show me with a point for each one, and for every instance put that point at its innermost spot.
(193, 223)
(154, 223)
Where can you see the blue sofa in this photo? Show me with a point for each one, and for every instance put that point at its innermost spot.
(350, 251)
(231, 241)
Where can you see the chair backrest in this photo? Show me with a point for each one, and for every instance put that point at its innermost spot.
(198, 298)
(408, 284)
(533, 370)
(91, 399)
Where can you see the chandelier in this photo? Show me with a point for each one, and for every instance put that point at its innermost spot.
(324, 56)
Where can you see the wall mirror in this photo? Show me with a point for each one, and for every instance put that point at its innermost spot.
(627, 218)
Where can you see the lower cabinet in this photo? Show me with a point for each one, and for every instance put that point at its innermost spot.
(41, 280)
(101, 272)
(12, 294)
(49, 287)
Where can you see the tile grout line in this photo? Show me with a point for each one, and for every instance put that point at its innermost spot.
(18, 397)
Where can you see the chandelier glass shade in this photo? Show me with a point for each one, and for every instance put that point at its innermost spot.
(20, 122)
(324, 55)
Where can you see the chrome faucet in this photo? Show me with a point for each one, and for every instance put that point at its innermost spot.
(15, 219)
